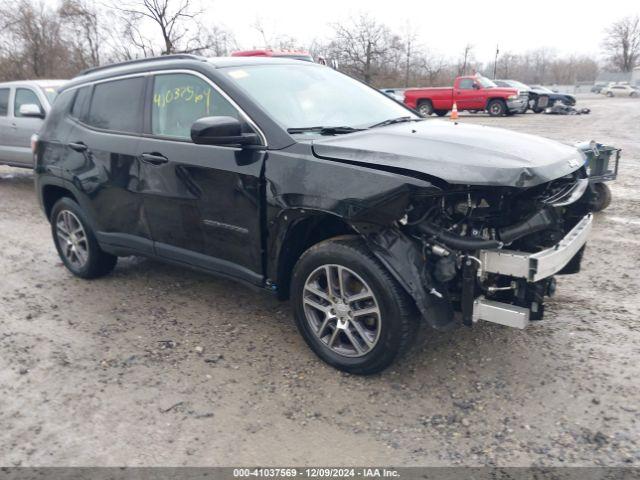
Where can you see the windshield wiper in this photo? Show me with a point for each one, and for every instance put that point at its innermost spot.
(324, 130)
(391, 121)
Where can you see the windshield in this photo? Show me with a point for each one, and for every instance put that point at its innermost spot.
(518, 85)
(485, 82)
(50, 92)
(312, 96)
(543, 89)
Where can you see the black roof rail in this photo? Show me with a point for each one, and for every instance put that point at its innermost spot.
(174, 56)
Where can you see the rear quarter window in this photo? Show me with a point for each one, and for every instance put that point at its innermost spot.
(54, 127)
(81, 103)
(117, 105)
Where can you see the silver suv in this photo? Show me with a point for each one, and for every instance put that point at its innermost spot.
(23, 106)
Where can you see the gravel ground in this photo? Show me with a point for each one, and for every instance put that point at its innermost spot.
(154, 365)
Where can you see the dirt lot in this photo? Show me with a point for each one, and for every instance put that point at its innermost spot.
(154, 365)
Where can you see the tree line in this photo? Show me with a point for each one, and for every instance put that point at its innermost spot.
(39, 41)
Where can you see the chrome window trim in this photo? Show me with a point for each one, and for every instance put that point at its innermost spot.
(224, 94)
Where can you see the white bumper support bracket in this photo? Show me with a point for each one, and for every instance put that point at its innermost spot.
(531, 266)
(501, 313)
(543, 264)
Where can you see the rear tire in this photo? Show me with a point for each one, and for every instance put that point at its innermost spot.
(497, 108)
(76, 242)
(602, 196)
(441, 113)
(425, 108)
(333, 326)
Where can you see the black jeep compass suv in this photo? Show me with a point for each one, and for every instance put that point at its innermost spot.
(295, 178)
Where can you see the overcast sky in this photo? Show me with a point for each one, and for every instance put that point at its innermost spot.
(443, 26)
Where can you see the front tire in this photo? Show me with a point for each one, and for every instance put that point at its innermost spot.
(602, 197)
(76, 242)
(497, 108)
(351, 312)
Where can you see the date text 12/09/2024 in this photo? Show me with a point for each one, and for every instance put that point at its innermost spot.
(316, 472)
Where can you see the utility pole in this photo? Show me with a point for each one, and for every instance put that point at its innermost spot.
(495, 62)
(408, 62)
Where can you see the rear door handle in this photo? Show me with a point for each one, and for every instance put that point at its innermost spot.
(154, 158)
(77, 146)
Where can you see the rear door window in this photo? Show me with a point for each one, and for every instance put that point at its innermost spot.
(179, 99)
(116, 105)
(4, 101)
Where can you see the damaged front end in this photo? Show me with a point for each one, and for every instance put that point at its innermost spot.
(489, 253)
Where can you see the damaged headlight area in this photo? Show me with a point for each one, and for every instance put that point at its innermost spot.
(489, 253)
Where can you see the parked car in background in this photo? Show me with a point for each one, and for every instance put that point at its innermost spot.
(598, 86)
(620, 90)
(547, 98)
(302, 181)
(23, 106)
(473, 93)
(267, 52)
(395, 93)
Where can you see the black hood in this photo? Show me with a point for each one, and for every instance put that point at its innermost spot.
(456, 153)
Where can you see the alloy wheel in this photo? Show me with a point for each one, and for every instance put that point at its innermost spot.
(72, 239)
(425, 110)
(342, 310)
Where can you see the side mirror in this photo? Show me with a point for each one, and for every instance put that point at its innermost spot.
(30, 110)
(221, 131)
(476, 86)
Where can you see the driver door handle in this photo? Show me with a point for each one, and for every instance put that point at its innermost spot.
(154, 158)
(77, 146)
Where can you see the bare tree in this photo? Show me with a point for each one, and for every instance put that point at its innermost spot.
(622, 43)
(278, 42)
(81, 31)
(507, 64)
(361, 46)
(466, 59)
(219, 41)
(434, 69)
(541, 60)
(410, 48)
(174, 20)
(31, 44)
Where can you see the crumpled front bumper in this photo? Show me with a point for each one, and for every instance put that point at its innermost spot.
(518, 105)
(532, 267)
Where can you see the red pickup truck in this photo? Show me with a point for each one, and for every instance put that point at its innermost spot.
(474, 93)
(295, 54)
